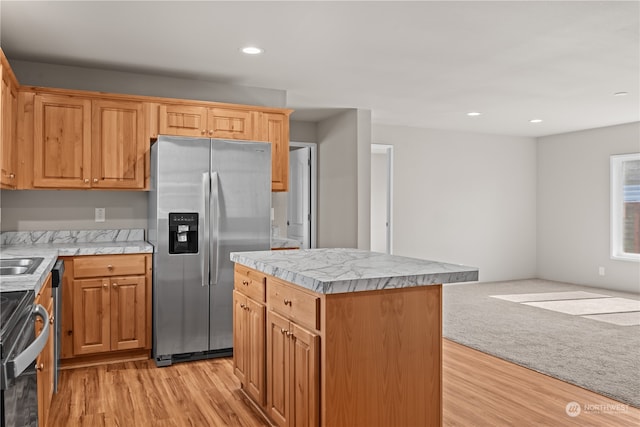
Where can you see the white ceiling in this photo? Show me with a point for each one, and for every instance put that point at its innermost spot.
(419, 63)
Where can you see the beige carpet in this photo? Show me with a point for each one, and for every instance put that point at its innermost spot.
(597, 355)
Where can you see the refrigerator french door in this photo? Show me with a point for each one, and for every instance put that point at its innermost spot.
(207, 198)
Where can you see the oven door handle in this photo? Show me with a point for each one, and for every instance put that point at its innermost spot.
(24, 359)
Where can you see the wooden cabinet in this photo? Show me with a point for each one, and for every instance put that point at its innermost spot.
(8, 125)
(81, 142)
(110, 300)
(350, 359)
(45, 360)
(274, 128)
(293, 373)
(233, 123)
(249, 317)
(200, 121)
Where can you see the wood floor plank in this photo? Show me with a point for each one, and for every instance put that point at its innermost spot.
(478, 390)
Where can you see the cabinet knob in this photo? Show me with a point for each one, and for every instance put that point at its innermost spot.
(203, 131)
(39, 366)
(287, 302)
(51, 320)
(210, 132)
(242, 306)
(289, 334)
(95, 179)
(105, 285)
(12, 175)
(283, 331)
(110, 267)
(86, 180)
(244, 282)
(115, 285)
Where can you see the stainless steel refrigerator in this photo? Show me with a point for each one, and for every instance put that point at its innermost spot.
(208, 197)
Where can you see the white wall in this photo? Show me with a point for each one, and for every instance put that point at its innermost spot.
(71, 210)
(81, 78)
(573, 207)
(464, 198)
(343, 218)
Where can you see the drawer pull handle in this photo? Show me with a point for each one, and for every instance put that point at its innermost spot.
(287, 302)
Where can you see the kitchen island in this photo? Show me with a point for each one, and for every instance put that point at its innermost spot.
(341, 337)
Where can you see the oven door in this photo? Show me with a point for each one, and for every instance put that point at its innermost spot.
(20, 394)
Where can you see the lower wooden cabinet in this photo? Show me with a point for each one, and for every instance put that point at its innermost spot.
(344, 359)
(249, 345)
(293, 373)
(107, 309)
(45, 360)
(109, 314)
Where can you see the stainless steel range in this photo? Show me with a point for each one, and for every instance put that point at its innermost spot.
(19, 348)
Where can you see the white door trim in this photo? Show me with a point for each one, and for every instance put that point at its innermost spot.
(388, 150)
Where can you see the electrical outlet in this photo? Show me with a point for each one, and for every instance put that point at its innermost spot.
(601, 271)
(100, 214)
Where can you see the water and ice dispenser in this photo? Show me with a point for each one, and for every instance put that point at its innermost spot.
(183, 233)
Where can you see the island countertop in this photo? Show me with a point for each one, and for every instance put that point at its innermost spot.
(339, 270)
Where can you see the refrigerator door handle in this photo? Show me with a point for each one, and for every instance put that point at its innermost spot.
(215, 228)
(204, 259)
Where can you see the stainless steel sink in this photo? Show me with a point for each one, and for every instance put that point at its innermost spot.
(12, 266)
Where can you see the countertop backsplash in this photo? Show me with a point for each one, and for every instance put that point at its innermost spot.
(10, 238)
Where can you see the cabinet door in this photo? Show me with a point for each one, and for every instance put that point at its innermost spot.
(255, 379)
(229, 124)
(274, 128)
(240, 324)
(118, 144)
(182, 120)
(91, 313)
(278, 387)
(44, 361)
(62, 142)
(128, 312)
(305, 373)
(8, 136)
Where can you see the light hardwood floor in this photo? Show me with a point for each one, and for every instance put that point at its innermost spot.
(478, 390)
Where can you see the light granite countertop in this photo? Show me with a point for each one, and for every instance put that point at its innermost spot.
(52, 244)
(342, 270)
(284, 243)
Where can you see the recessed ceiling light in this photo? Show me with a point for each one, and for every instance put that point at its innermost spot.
(251, 50)
(474, 114)
(621, 94)
(535, 121)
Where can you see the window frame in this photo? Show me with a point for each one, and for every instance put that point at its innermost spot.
(617, 208)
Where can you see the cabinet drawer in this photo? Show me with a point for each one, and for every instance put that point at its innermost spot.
(108, 265)
(250, 283)
(295, 304)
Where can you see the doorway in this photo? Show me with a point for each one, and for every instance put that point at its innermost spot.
(381, 198)
(301, 200)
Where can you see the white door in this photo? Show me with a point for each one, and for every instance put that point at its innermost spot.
(299, 208)
(381, 197)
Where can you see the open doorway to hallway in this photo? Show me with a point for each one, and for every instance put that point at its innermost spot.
(381, 198)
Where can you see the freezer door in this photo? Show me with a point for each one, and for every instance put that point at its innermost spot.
(180, 281)
(240, 213)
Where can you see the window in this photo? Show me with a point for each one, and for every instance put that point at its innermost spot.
(625, 207)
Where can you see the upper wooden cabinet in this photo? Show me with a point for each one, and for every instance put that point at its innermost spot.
(81, 142)
(8, 125)
(274, 128)
(233, 123)
(188, 120)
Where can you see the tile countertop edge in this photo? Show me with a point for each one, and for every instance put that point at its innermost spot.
(460, 273)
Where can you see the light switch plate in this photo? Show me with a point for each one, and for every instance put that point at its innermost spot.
(100, 214)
